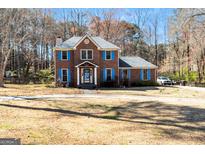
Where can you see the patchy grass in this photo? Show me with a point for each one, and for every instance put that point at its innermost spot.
(42, 89)
(102, 121)
(156, 91)
(98, 121)
(35, 89)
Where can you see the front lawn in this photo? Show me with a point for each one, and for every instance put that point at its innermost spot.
(34, 89)
(42, 89)
(102, 121)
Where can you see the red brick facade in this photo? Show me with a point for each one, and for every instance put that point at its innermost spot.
(97, 61)
(76, 60)
(135, 75)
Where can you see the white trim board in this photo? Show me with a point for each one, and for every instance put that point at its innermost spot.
(87, 62)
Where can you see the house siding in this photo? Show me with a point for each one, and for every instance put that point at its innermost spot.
(64, 64)
(135, 75)
(97, 59)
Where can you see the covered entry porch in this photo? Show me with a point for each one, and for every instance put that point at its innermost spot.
(86, 75)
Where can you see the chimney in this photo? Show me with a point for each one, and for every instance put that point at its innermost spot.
(59, 41)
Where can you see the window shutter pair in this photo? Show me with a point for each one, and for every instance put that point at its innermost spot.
(105, 74)
(60, 75)
(60, 55)
(112, 55)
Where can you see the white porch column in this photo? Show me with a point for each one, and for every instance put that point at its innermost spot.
(78, 72)
(95, 72)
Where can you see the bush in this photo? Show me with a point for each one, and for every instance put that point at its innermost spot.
(125, 83)
(192, 76)
(45, 76)
(144, 83)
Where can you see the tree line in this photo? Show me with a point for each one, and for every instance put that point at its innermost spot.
(186, 45)
(27, 37)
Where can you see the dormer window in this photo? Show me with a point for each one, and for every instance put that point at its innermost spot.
(86, 54)
(108, 55)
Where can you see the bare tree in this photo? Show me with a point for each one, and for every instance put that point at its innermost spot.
(10, 28)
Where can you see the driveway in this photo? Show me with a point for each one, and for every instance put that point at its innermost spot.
(103, 96)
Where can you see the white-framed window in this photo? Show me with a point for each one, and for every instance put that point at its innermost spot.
(108, 74)
(64, 55)
(65, 75)
(108, 55)
(86, 54)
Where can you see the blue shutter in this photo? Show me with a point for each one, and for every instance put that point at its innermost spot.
(68, 55)
(59, 55)
(113, 55)
(104, 74)
(69, 75)
(129, 74)
(60, 74)
(103, 55)
(148, 74)
(113, 74)
(141, 74)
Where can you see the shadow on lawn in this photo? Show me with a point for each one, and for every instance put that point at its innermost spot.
(159, 114)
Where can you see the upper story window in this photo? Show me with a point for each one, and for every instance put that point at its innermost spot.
(86, 54)
(108, 55)
(64, 55)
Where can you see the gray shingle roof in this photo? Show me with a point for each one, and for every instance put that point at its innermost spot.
(103, 44)
(70, 43)
(135, 62)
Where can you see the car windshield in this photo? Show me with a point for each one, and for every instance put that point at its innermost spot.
(164, 78)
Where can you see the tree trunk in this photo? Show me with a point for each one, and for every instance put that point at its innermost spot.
(1, 79)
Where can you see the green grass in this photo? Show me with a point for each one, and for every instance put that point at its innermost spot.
(6, 126)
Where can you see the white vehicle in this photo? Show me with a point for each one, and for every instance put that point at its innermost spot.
(164, 80)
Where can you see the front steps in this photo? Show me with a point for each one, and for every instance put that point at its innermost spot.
(87, 86)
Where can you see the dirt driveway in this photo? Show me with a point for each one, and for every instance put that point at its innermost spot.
(92, 95)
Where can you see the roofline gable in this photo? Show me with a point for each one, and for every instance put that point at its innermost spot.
(83, 39)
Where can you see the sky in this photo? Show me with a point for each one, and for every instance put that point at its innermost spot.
(163, 15)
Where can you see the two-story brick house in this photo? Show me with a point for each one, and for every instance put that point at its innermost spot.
(93, 61)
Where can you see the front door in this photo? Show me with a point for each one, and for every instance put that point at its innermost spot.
(86, 74)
